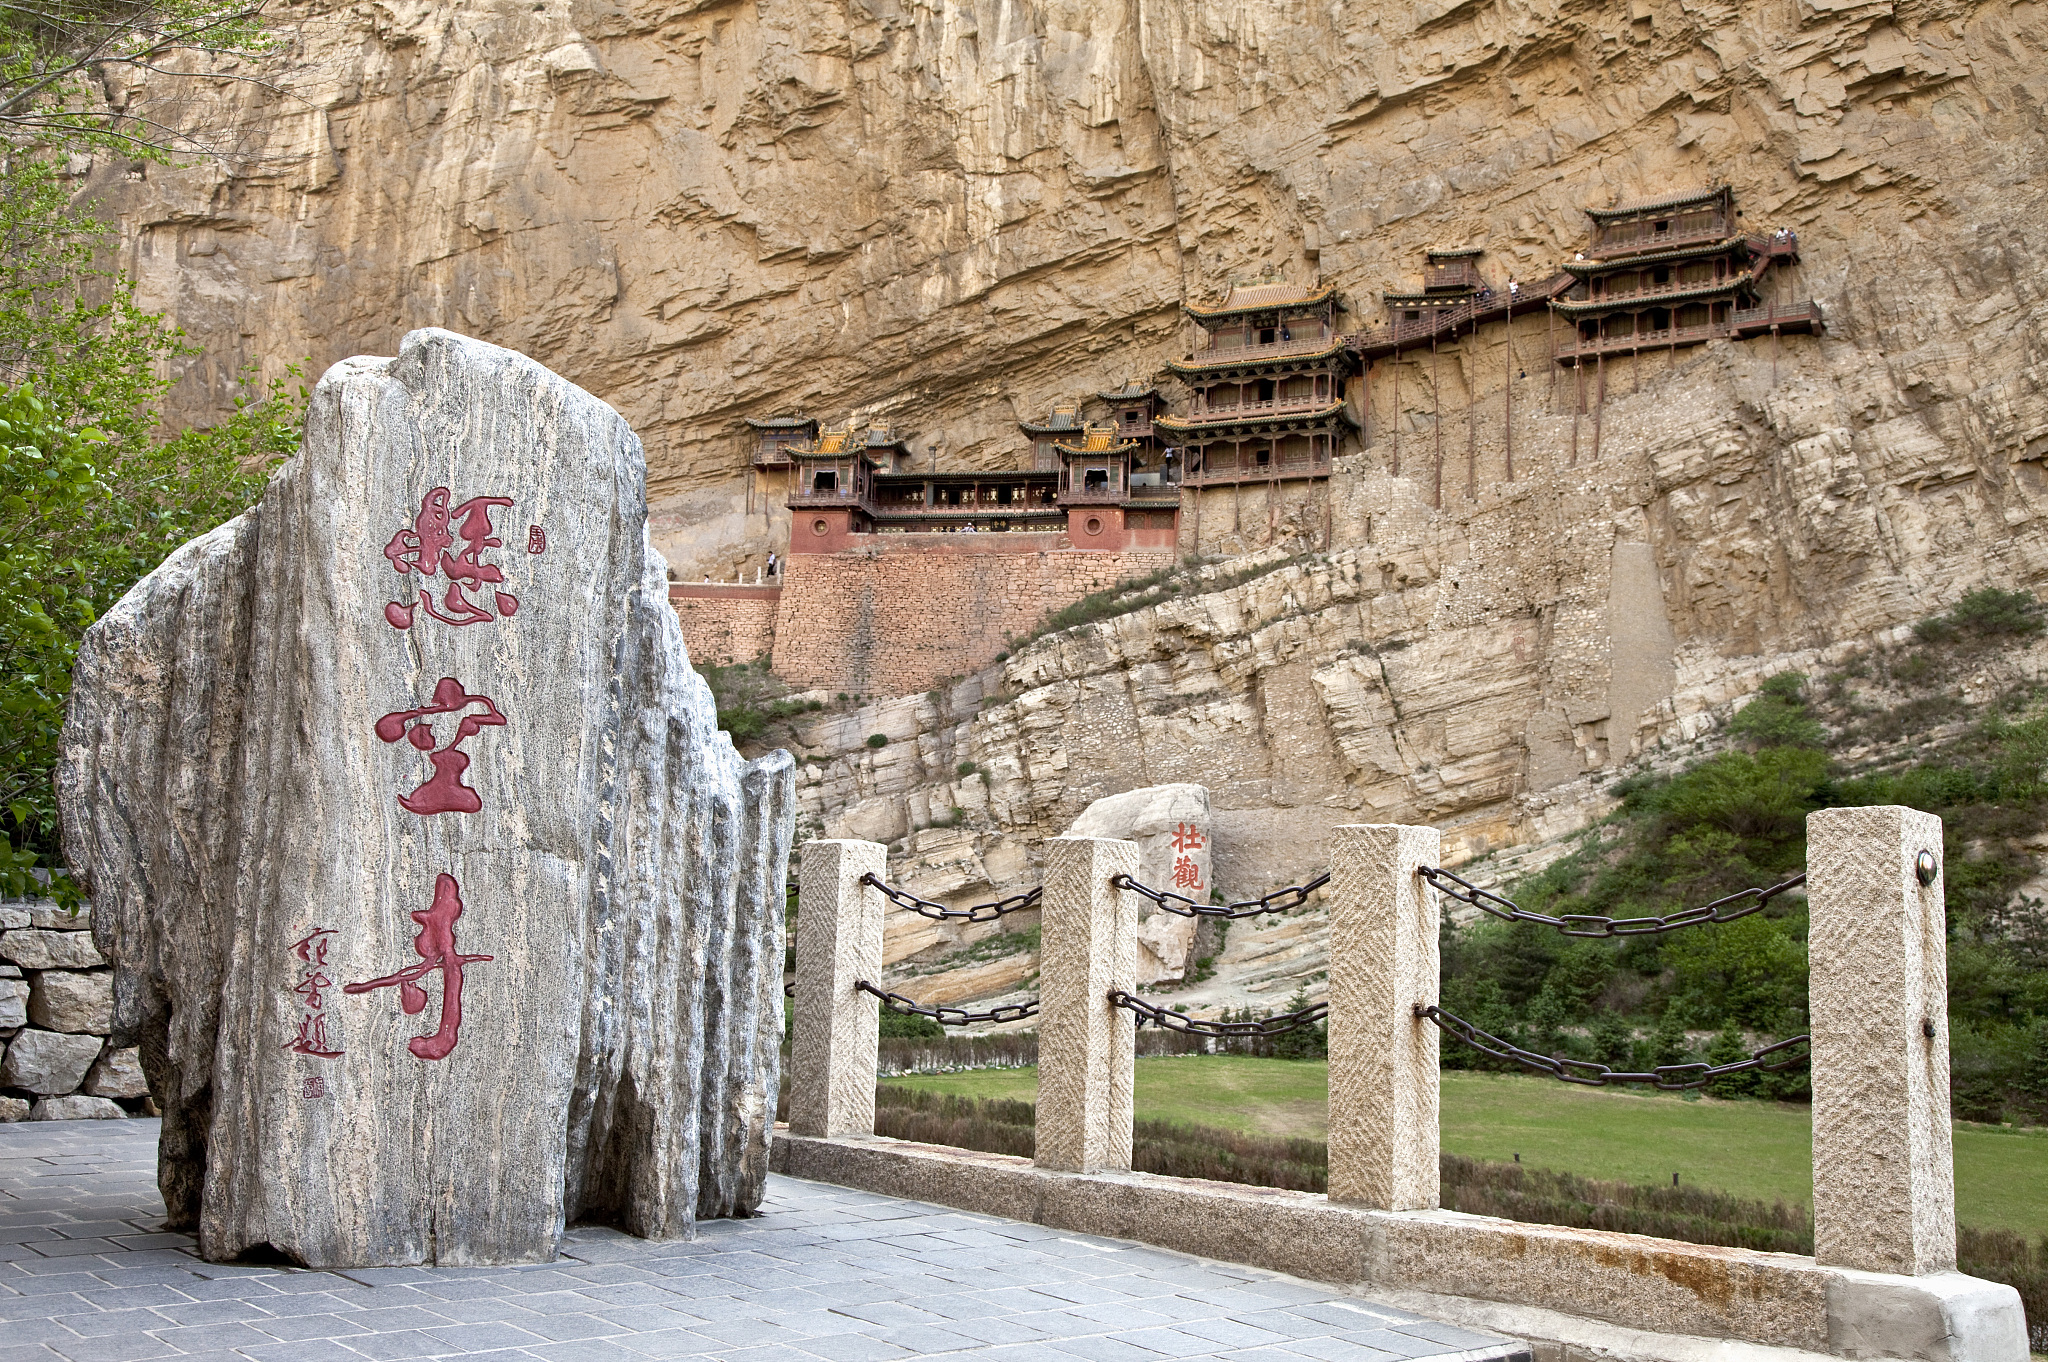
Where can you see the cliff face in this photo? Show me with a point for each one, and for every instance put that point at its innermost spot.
(955, 213)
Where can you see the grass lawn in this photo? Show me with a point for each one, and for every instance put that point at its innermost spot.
(1753, 1149)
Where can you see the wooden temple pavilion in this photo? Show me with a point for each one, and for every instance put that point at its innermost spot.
(1453, 300)
(861, 481)
(1268, 384)
(773, 436)
(1675, 271)
(1063, 422)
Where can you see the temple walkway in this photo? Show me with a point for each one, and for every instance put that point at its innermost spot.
(825, 1274)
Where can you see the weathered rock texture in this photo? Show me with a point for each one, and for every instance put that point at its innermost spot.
(582, 875)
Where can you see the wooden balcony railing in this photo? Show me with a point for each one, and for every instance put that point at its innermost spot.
(1252, 411)
(1227, 353)
(1637, 237)
(1744, 321)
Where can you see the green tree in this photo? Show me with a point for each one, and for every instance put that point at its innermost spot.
(93, 493)
(1778, 716)
(69, 69)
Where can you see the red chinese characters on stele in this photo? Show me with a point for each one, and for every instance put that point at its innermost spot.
(311, 951)
(1186, 873)
(435, 946)
(444, 791)
(424, 549)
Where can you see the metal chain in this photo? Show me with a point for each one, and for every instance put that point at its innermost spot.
(1592, 924)
(949, 1016)
(1279, 901)
(1194, 1026)
(939, 912)
(1669, 1077)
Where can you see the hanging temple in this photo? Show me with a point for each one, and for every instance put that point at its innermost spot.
(1266, 384)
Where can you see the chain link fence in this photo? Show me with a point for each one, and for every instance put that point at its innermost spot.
(1195, 1026)
(939, 912)
(1593, 924)
(1279, 901)
(1669, 1077)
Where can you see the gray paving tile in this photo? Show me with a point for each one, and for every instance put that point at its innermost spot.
(27, 1352)
(666, 1343)
(477, 1338)
(396, 1347)
(113, 1348)
(1103, 1348)
(852, 1348)
(925, 1339)
(305, 1350)
(829, 1274)
(201, 1338)
(586, 1350)
(296, 1328)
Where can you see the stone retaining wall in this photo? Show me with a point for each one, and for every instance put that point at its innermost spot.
(56, 1008)
(726, 623)
(901, 618)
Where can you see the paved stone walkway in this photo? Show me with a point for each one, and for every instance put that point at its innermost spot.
(825, 1274)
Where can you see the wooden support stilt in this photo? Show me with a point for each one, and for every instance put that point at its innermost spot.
(1368, 404)
(1599, 400)
(1395, 365)
(1436, 418)
(1472, 419)
(1551, 405)
(1774, 355)
(1578, 403)
(1507, 396)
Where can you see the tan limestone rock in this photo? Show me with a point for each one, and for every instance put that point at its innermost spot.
(38, 948)
(117, 1073)
(63, 1000)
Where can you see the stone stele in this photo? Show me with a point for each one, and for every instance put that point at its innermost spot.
(441, 911)
(1170, 824)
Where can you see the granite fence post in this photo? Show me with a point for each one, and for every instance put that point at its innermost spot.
(838, 941)
(1883, 1168)
(1383, 1058)
(1089, 945)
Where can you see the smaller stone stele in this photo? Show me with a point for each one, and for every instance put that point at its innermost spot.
(48, 1063)
(1170, 824)
(63, 1000)
(442, 913)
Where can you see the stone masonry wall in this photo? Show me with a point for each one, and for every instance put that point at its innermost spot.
(56, 1008)
(896, 622)
(726, 624)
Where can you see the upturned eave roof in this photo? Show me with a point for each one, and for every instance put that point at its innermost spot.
(1670, 203)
